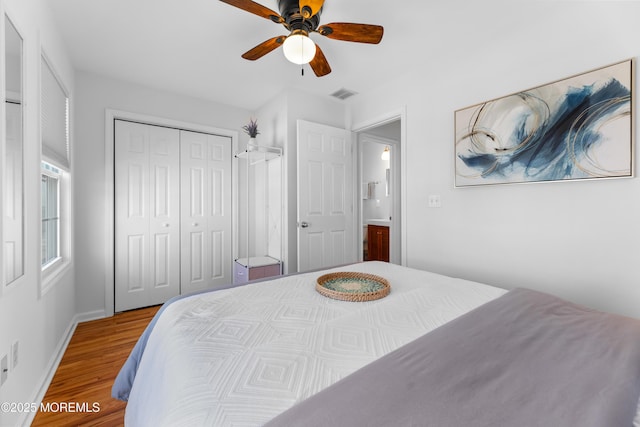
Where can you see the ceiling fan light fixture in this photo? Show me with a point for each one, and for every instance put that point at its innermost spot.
(299, 49)
(301, 18)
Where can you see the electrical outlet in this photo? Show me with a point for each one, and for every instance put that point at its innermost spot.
(14, 355)
(4, 369)
(434, 201)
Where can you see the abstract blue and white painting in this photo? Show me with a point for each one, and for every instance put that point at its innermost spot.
(575, 128)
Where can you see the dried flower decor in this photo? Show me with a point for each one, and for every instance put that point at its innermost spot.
(251, 128)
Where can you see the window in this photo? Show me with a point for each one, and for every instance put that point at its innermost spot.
(55, 119)
(50, 214)
(55, 178)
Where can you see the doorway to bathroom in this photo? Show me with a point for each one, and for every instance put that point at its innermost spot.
(380, 213)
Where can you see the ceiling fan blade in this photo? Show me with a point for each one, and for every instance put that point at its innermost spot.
(263, 48)
(256, 9)
(361, 33)
(309, 8)
(319, 63)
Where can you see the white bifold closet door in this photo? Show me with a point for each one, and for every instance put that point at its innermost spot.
(147, 229)
(172, 213)
(205, 210)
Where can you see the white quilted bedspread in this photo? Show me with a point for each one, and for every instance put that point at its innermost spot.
(238, 357)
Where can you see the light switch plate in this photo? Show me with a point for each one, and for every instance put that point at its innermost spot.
(434, 201)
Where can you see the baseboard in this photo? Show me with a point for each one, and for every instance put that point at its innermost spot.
(52, 367)
(91, 315)
(54, 362)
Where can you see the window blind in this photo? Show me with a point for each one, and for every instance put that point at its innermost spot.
(55, 119)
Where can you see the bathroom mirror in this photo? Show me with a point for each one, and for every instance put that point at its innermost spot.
(387, 182)
(13, 167)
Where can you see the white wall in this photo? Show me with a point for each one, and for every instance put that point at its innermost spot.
(95, 95)
(280, 118)
(40, 323)
(578, 240)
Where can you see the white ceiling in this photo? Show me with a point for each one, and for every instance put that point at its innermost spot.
(193, 47)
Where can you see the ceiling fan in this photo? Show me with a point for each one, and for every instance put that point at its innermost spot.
(300, 18)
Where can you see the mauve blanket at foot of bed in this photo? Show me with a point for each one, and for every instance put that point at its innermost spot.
(525, 359)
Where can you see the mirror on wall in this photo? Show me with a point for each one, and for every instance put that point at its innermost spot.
(13, 173)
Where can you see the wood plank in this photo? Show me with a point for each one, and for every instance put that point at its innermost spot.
(90, 364)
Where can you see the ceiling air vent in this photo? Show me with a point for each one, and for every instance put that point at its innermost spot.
(343, 94)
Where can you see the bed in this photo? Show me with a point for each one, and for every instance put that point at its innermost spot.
(437, 351)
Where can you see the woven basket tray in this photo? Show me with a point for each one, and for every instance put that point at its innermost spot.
(351, 286)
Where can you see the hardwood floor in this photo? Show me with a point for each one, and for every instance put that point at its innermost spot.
(88, 368)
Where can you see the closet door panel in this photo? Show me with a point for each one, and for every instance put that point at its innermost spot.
(217, 255)
(206, 210)
(147, 258)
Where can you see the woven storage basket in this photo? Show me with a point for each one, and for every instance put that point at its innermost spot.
(353, 282)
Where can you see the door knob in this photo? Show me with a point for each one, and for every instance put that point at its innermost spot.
(304, 224)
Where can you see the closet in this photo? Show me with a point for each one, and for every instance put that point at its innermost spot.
(173, 227)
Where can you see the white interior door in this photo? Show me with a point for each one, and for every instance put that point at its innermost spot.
(325, 197)
(205, 211)
(147, 245)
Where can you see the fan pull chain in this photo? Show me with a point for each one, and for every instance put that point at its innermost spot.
(302, 70)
